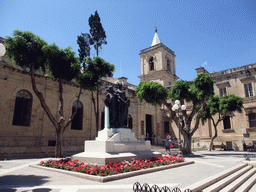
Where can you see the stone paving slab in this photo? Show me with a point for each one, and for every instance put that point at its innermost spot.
(30, 179)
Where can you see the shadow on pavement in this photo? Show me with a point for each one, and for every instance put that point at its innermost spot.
(10, 182)
(41, 190)
(227, 154)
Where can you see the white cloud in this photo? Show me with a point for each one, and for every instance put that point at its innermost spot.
(205, 63)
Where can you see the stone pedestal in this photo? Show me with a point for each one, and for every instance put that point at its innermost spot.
(115, 145)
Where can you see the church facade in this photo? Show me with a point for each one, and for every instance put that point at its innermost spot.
(26, 130)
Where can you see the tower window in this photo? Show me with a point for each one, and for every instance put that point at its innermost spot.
(151, 64)
(22, 110)
(168, 65)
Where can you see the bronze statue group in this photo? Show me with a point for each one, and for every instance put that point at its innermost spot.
(118, 105)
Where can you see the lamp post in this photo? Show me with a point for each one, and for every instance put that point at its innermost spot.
(176, 107)
(2, 50)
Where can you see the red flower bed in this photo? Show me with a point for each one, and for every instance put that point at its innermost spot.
(111, 168)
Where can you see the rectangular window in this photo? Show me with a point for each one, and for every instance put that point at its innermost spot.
(223, 92)
(252, 119)
(248, 90)
(226, 122)
(166, 127)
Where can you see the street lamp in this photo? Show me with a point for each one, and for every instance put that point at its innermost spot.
(176, 108)
(2, 50)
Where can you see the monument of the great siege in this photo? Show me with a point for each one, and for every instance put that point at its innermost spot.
(116, 142)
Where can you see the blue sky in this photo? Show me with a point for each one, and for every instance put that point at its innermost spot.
(214, 34)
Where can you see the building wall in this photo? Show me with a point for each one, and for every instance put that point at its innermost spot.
(33, 139)
(233, 81)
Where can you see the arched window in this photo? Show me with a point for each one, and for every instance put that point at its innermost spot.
(151, 63)
(22, 110)
(77, 122)
(130, 121)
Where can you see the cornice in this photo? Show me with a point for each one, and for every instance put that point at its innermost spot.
(156, 47)
(159, 73)
(4, 65)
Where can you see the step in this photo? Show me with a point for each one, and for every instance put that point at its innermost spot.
(253, 188)
(239, 181)
(225, 181)
(215, 178)
(248, 184)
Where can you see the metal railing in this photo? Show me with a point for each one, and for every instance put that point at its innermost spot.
(137, 187)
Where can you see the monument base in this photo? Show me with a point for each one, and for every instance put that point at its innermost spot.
(115, 146)
(102, 158)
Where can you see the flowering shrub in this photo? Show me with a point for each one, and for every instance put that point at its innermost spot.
(111, 168)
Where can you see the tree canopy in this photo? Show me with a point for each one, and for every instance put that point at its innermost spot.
(62, 62)
(83, 42)
(97, 32)
(223, 105)
(25, 48)
(96, 68)
(151, 92)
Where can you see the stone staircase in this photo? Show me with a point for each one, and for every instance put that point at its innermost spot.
(241, 178)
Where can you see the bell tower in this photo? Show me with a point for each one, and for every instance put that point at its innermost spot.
(158, 63)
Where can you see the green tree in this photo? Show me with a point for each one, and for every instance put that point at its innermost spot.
(84, 47)
(97, 32)
(220, 107)
(96, 37)
(195, 93)
(26, 49)
(95, 69)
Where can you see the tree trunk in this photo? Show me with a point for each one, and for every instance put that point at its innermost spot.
(187, 144)
(58, 147)
(41, 98)
(59, 132)
(215, 135)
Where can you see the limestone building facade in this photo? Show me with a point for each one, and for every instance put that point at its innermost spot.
(236, 128)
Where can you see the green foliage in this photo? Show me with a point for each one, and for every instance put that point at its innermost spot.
(84, 46)
(227, 103)
(151, 92)
(203, 87)
(97, 32)
(62, 62)
(25, 48)
(231, 103)
(96, 69)
(180, 90)
(212, 108)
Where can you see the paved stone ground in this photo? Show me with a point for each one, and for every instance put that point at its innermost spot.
(16, 175)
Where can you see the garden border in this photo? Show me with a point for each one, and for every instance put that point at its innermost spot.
(113, 177)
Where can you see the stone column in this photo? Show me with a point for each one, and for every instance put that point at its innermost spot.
(106, 117)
